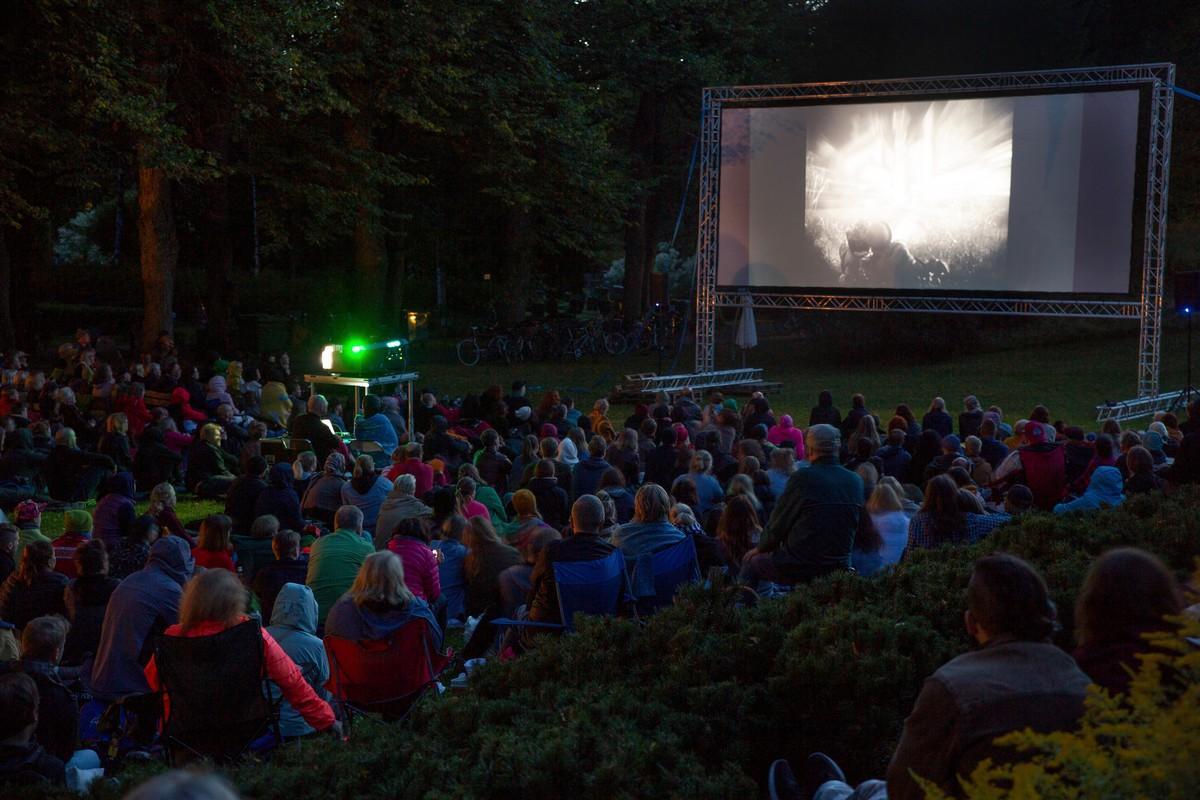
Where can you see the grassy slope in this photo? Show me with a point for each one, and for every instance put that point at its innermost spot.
(1070, 378)
(52, 523)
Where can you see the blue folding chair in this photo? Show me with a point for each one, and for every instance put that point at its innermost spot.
(595, 587)
(673, 566)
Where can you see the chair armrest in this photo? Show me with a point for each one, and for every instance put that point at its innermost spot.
(504, 622)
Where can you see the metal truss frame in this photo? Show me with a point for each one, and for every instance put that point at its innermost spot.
(1159, 78)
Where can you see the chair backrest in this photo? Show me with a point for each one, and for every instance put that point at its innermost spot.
(215, 690)
(384, 675)
(674, 565)
(590, 587)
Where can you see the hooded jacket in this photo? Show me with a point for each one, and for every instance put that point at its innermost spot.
(352, 621)
(115, 512)
(397, 507)
(786, 431)
(587, 475)
(1105, 489)
(280, 498)
(181, 406)
(145, 604)
(218, 393)
(294, 628)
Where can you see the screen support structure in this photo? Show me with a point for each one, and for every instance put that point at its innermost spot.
(1159, 78)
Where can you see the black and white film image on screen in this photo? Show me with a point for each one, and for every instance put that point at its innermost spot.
(1026, 194)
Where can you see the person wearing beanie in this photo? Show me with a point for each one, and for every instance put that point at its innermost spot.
(115, 512)
(77, 529)
(28, 518)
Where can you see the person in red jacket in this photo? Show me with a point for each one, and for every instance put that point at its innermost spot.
(133, 406)
(214, 601)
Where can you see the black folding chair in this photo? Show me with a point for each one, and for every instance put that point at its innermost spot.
(217, 699)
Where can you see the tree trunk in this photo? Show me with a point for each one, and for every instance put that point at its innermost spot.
(7, 333)
(514, 265)
(218, 263)
(159, 251)
(640, 226)
(370, 249)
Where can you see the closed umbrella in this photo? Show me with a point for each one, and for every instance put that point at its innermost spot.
(747, 332)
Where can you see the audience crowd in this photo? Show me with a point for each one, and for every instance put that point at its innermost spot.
(356, 528)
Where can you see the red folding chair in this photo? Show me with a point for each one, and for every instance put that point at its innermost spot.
(384, 676)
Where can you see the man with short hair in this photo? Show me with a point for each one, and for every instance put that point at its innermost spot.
(289, 566)
(309, 426)
(893, 455)
(811, 530)
(493, 465)
(589, 470)
(412, 464)
(583, 544)
(19, 752)
(551, 499)
(401, 504)
(391, 412)
(334, 559)
(1015, 679)
(42, 643)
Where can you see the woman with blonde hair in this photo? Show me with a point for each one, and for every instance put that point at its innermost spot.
(162, 509)
(215, 601)
(114, 442)
(887, 514)
(487, 557)
(379, 603)
(600, 422)
(651, 527)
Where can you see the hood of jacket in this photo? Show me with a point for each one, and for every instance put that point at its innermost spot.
(1107, 485)
(121, 484)
(216, 384)
(171, 556)
(589, 464)
(568, 453)
(280, 476)
(180, 396)
(295, 608)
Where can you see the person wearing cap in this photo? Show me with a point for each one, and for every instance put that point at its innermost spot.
(77, 529)
(373, 426)
(1039, 464)
(28, 518)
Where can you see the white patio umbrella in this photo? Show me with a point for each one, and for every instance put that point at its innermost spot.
(747, 332)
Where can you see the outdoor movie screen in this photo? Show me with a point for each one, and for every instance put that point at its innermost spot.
(998, 194)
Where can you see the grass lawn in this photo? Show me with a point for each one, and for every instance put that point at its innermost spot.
(1070, 377)
(188, 509)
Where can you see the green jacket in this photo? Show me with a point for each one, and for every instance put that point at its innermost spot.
(814, 522)
(333, 564)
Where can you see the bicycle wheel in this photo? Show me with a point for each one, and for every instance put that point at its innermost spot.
(468, 352)
(614, 344)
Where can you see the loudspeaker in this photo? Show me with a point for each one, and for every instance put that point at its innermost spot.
(1187, 292)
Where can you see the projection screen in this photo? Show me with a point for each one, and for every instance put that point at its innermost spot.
(1026, 194)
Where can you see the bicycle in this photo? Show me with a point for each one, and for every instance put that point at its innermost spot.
(470, 351)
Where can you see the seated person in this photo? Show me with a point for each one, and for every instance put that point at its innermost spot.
(651, 528)
(294, 627)
(115, 512)
(210, 468)
(583, 543)
(451, 554)
(86, 600)
(486, 558)
(373, 426)
(401, 505)
(214, 601)
(1016, 679)
(334, 559)
(20, 754)
(71, 474)
(132, 552)
(35, 589)
(255, 551)
(214, 548)
(279, 498)
(323, 497)
(77, 529)
(379, 603)
(289, 566)
(42, 644)
(410, 541)
(8, 547)
(515, 582)
(241, 502)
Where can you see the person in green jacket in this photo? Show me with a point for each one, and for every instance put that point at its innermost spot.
(334, 560)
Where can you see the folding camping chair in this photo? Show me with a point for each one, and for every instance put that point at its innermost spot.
(216, 696)
(384, 676)
(597, 587)
(673, 566)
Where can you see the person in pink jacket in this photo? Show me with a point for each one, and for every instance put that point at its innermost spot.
(786, 431)
(411, 543)
(215, 600)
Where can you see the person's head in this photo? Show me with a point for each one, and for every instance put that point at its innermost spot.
(65, 437)
(960, 476)
(162, 497)
(587, 515)
(490, 439)
(600, 407)
(544, 469)
(701, 462)
(224, 413)
(37, 558)
(742, 485)
(972, 445)
(783, 459)
(464, 490)
(285, 544)
(524, 503)
(372, 405)
(612, 477)
(1007, 597)
(480, 533)
(822, 441)
(453, 527)
(406, 485)
(941, 502)
(28, 514)
(414, 450)
(1126, 593)
(214, 595)
(987, 429)
(971, 403)
(738, 526)
(43, 639)
(256, 467)
(1139, 461)
(682, 516)
(144, 529)
(212, 433)
(1018, 500)
(364, 466)
(683, 490)
(117, 423)
(596, 446)
(938, 404)
(257, 430)
(1040, 414)
(264, 527)
(215, 533)
(858, 401)
(884, 499)
(179, 784)
(1105, 448)
(18, 707)
(651, 503)
(380, 582)
(548, 448)
(318, 405)
(348, 518)
(308, 463)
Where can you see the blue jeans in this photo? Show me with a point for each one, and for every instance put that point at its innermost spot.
(837, 790)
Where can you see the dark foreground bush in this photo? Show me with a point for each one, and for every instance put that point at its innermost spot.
(697, 702)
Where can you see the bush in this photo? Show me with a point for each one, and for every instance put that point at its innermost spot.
(700, 699)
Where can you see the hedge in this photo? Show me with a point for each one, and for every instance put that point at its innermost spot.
(697, 701)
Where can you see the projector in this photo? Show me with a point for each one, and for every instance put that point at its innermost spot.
(365, 359)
